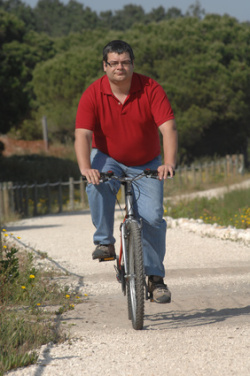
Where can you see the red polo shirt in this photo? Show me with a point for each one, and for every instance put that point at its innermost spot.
(129, 132)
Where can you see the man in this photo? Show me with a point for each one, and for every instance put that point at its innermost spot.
(120, 114)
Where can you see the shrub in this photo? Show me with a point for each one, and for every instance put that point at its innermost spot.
(36, 168)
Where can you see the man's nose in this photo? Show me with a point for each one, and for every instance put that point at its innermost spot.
(120, 64)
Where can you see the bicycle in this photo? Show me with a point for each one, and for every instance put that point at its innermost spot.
(130, 266)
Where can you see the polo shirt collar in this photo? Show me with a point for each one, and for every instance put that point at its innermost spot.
(136, 85)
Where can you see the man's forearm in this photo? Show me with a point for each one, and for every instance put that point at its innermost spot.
(170, 143)
(83, 149)
(170, 148)
(83, 140)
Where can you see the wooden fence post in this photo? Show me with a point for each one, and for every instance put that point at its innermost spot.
(205, 172)
(11, 197)
(35, 197)
(213, 169)
(48, 198)
(194, 174)
(179, 171)
(26, 200)
(242, 164)
(21, 199)
(236, 165)
(1, 201)
(5, 199)
(71, 193)
(225, 168)
(45, 133)
(229, 165)
(60, 203)
(200, 168)
(186, 174)
(16, 195)
(83, 196)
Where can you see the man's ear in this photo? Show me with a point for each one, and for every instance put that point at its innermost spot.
(104, 65)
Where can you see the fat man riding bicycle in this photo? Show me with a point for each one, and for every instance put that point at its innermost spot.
(117, 125)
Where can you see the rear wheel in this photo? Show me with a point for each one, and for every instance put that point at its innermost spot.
(135, 278)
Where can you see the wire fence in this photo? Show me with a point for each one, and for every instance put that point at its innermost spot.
(38, 199)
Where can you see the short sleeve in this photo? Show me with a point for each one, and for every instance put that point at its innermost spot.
(160, 106)
(86, 114)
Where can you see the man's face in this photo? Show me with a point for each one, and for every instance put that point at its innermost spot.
(119, 68)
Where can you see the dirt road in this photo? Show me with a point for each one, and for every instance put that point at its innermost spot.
(204, 331)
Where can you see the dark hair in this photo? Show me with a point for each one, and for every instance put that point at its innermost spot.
(119, 47)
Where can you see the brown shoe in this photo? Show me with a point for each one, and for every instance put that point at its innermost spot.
(158, 290)
(104, 251)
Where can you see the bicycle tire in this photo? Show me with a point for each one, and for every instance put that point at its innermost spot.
(135, 280)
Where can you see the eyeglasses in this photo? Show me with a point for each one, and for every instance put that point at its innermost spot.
(114, 64)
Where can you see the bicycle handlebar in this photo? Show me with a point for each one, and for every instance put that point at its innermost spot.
(148, 173)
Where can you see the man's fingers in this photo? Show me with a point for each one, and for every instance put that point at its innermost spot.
(92, 176)
(164, 170)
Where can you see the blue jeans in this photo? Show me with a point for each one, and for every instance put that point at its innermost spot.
(148, 205)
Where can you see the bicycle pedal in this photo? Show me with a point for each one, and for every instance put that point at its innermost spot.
(150, 297)
(107, 259)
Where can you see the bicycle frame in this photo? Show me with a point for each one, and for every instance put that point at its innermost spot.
(129, 216)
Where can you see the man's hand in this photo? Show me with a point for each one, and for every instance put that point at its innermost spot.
(163, 171)
(93, 176)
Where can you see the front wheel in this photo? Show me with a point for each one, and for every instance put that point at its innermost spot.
(135, 275)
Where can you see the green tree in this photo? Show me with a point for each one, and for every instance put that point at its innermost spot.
(195, 10)
(156, 14)
(21, 10)
(58, 84)
(204, 66)
(79, 18)
(129, 15)
(19, 53)
(106, 19)
(57, 19)
(12, 103)
(203, 63)
(173, 13)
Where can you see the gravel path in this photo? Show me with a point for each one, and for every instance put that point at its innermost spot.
(204, 331)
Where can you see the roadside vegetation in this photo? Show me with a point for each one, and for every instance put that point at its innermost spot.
(31, 305)
(230, 210)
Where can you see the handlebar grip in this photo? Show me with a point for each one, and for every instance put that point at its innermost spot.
(154, 173)
(108, 174)
(103, 176)
(150, 172)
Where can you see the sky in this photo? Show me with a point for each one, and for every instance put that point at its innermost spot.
(239, 9)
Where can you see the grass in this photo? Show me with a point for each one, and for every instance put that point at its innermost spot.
(31, 304)
(179, 186)
(230, 210)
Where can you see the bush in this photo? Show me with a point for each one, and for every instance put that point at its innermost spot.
(28, 299)
(36, 168)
